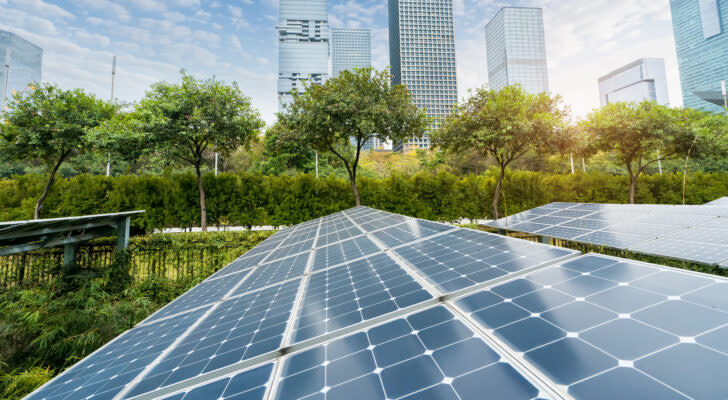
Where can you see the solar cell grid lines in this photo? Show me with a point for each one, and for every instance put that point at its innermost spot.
(690, 233)
(412, 309)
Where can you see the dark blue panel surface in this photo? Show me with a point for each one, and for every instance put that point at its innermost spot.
(409, 231)
(342, 252)
(274, 272)
(355, 292)
(428, 355)
(104, 374)
(247, 385)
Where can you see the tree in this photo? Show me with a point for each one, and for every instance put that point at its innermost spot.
(186, 120)
(50, 124)
(341, 115)
(640, 135)
(504, 125)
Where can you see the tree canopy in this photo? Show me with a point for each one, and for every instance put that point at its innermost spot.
(341, 115)
(50, 124)
(504, 125)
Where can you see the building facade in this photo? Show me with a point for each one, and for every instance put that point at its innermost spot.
(516, 49)
(701, 41)
(644, 79)
(303, 40)
(422, 57)
(350, 48)
(24, 61)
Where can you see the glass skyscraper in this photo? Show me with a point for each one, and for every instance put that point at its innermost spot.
(516, 49)
(350, 48)
(303, 39)
(644, 79)
(422, 57)
(701, 41)
(24, 59)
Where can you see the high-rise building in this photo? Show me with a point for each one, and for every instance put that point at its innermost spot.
(24, 61)
(350, 48)
(303, 52)
(644, 79)
(422, 57)
(701, 41)
(516, 49)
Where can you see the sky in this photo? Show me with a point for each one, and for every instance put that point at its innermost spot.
(236, 40)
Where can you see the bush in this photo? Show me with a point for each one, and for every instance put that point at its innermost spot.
(249, 199)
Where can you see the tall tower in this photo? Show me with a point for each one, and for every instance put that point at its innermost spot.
(701, 41)
(422, 57)
(350, 48)
(303, 39)
(516, 49)
(24, 61)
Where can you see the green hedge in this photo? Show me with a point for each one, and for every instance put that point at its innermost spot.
(247, 200)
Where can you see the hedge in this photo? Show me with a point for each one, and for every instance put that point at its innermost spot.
(249, 200)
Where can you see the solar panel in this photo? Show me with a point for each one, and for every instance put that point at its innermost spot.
(691, 233)
(412, 309)
(723, 201)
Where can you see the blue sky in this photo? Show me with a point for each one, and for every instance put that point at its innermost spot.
(235, 40)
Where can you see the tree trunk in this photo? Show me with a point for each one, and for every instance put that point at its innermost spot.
(496, 195)
(51, 179)
(203, 207)
(632, 186)
(356, 191)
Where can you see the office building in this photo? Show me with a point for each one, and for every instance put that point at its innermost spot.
(701, 41)
(422, 57)
(23, 60)
(350, 48)
(516, 49)
(303, 40)
(644, 79)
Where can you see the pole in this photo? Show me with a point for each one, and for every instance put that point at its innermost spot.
(215, 164)
(583, 164)
(725, 98)
(7, 73)
(571, 156)
(113, 76)
(317, 165)
(659, 162)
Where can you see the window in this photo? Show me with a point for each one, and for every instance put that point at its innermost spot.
(709, 17)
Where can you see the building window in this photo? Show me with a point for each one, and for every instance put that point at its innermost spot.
(709, 17)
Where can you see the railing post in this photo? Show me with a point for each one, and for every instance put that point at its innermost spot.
(122, 234)
(69, 258)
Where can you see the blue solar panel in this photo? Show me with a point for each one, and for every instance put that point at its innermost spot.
(239, 329)
(339, 235)
(106, 372)
(290, 250)
(343, 251)
(409, 231)
(428, 355)
(358, 291)
(241, 264)
(613, 329)
(462, 258)
(248, 385)
(274, 272)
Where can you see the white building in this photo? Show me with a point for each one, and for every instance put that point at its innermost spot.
(350, 48)
(641, 80)
(303, 39)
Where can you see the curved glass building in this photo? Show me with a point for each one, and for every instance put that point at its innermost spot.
(24, 60)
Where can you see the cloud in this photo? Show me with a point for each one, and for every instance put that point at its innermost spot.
(40, 8)
(91, 39)
(148, 5)
(186, 3)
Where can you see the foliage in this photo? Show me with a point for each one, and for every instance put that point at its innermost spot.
(49, 125)
(351, 109)
(504, 125)
(641, 134)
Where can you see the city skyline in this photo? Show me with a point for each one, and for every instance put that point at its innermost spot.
(637, 81)
(237, 41)
(350, 48)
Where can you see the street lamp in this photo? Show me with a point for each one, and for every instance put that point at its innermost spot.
(725, 100)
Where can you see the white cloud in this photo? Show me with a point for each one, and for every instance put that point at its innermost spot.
(40, 8)
(91, 39)
(186, 3)
(148, 5)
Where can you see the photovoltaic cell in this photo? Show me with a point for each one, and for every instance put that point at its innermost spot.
(239, 329)
(428, 355)
(106, 372)
(463, 258)
(611, 329)
(409, 231)
(358, 291)
(241, 264)
(290, 250)
(274, 272)
(341, 252)
(248, 385)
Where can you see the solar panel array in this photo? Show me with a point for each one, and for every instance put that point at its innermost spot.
(365, 304)
(690, 233)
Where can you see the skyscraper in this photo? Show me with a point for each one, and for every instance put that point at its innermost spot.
(701, 41)
(303, 39)
(24, 60)
(516, 49)
(422, 56)
(350, 48)
(644, 79)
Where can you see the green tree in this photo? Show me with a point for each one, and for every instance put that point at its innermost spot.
(504, 125)
(639, 135)
(186, 120)
(49, 124)
(342, 114)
